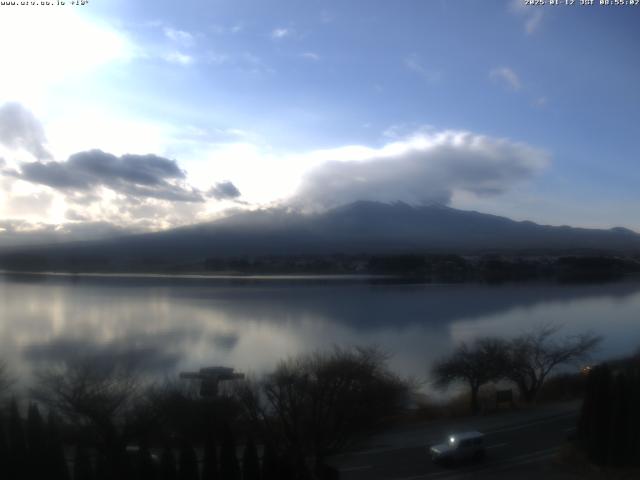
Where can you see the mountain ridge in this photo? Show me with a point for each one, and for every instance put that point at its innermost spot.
(361, 227)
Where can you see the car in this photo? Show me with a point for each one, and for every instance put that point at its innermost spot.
(463, 446)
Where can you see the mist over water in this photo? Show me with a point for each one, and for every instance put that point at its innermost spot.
(169, 325)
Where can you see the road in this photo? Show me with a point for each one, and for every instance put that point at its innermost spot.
(520, 441)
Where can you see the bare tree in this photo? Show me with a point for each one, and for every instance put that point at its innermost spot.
(95, 395)
(475, 364)
(316, 404)
(535, 354)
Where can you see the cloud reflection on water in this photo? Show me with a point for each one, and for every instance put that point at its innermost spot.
(168, 325)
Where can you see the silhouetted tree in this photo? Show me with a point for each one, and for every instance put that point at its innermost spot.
(92, 394)
(475, 364)
(82, 469)
(316, 404)
(210, 468)
(609, 420)
(534, 355)
(250, 462)
(286, 469)
(619, 445)
(4, 447)
(269, 463)
(18, 462)
(146, 468)
(103, 470)
(596, 413)
(168, 470)
(55, 459)
(634, 415)
(229, 469)
(187, 462)
(37, 444)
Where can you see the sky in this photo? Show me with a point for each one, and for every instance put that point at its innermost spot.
(120, 116)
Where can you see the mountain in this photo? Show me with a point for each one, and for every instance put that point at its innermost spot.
(356, 228)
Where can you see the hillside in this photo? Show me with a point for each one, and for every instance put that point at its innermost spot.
(367, 228)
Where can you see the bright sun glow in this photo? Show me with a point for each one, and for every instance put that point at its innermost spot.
(51, 45)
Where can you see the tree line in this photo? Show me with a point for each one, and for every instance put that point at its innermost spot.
(609, 424)
(106, 422)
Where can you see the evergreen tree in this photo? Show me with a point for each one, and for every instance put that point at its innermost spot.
(609, 420)
(36, 442)
(586, 424)
(103, 470)
(285, 468)
(55, 460)
(18, 461)
(146, 468)
(618, 436)
(634, 418)
(269, 463)
(634, 421)
(187, 463)
(168, 469)
(599, 417)
(4, 449)
(229, 469)
(82, 469)
(250, 462)
(210, 469)
(124, 465)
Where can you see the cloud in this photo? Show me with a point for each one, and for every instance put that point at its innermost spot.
(19, 128)
(533, 21)
(179, 36)
(134, 175)
(216, 58)
(540, 102)
(506, 76)
(22, 233)
(424, 168)
(532, 15)
(223, 191)
(278, 33)
(35, 204)
(179, 58)
(227, 29)
(414, 63)
(311, 56)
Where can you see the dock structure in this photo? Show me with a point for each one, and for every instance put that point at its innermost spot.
(210, 377)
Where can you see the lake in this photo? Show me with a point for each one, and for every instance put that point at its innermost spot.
(176, 324)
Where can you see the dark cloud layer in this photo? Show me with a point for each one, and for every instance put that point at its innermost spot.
(134, 175)
(223, 191)
(19, 128)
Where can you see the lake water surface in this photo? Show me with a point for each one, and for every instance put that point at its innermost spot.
(171, 325)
